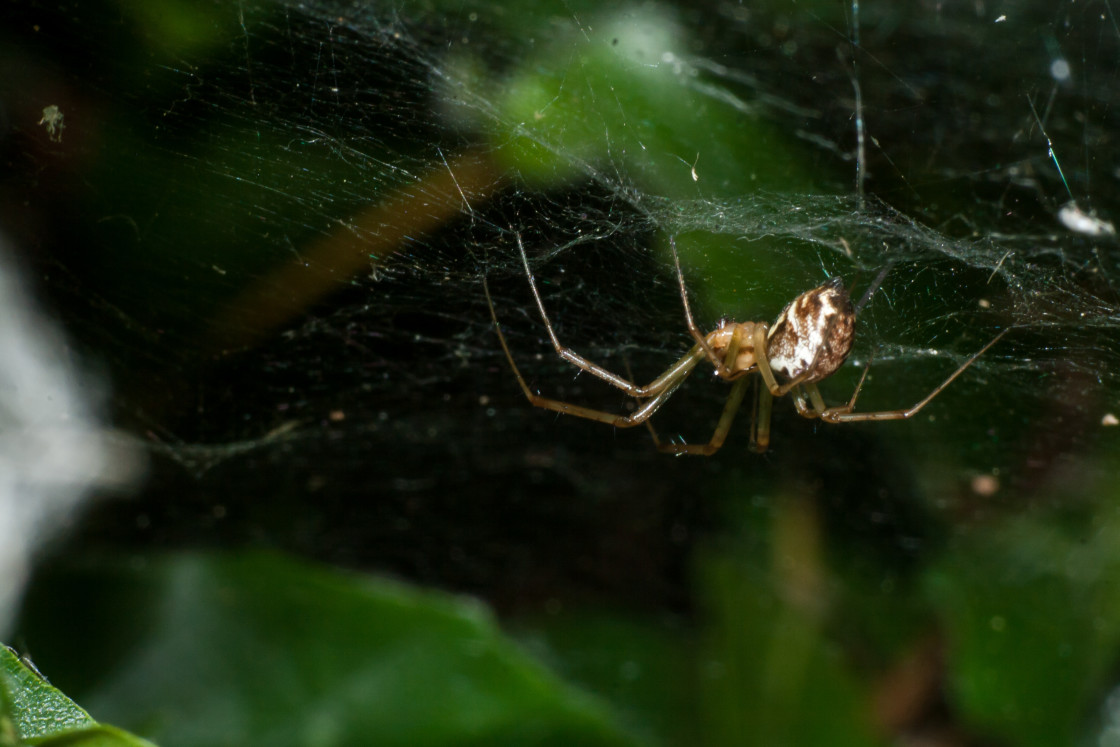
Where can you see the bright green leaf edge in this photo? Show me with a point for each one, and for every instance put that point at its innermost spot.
(37, 713)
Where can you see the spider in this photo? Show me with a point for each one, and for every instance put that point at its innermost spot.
(807, 343)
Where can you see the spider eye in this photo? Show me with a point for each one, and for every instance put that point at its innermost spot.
(813, 335)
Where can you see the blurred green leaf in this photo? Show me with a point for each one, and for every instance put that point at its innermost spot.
(1033, 622)
(629, 98)
(643, 667)
(256, 649)
(175, 27)
(770, 671)
(770, 675)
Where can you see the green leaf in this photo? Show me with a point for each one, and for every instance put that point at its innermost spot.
(617, 93)
(644, 667)
(257, 649)
(1033, 621)
(95, 736)
(769, 669)
(35, 707)
(36, 712)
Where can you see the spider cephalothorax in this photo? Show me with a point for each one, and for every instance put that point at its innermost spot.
(809, 341)
(743, 333)
(813, 335)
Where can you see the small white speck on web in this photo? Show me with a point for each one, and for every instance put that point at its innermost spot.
(1060, 70)
(1001, 19)
(1109, 419)
(1075, 219)
(53, 120)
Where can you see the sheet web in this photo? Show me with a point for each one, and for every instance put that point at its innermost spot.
(985, 183)
(269, 224)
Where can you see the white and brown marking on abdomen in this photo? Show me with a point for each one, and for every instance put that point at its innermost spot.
(814, 334)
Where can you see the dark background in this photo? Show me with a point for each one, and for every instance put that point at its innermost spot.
(265, 228)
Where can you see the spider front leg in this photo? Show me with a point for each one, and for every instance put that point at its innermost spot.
(722, 369)
(658, 392)
(573, 357)
(766, 372)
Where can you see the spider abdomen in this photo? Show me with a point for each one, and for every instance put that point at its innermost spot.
(812, 336)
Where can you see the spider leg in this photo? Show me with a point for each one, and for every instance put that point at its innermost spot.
(760, 418)
(763, 362)
(844, 414)
(819, 402)
(810, 403)
(570, 355)
(639, 416)
(730, 408)
(859, 387)
(649, 421)
(721, 368)
(658, 392)
(816, 404)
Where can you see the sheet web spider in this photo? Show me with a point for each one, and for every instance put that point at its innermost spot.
(807, 343)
